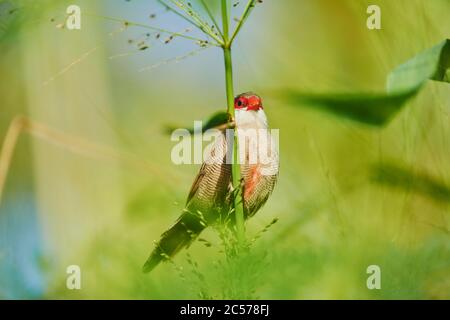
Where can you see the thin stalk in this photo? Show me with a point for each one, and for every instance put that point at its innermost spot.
(197, 19)
(245, 14)
(229, 80)
(235, 167)
(211, 16)
(197, 24)
(21, 124)
(7, 150)
(141, 25)
(178, 14)
(225, 24)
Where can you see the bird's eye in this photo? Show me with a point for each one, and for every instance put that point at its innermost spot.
(239, 103)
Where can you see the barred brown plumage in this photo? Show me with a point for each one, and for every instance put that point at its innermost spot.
(211, 196)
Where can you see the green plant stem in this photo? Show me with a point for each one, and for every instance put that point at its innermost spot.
(211, 16)
(225, 24)
(245, 14)
(235, 169)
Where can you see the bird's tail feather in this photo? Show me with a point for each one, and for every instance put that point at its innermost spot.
(180, 235)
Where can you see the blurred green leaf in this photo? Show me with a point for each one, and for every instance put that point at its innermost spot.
(431, 64)
(374, 109)
(217, 119)
(420, 182)
(403, 83)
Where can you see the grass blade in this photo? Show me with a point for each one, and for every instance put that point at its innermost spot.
(211, 16)
(248, 9)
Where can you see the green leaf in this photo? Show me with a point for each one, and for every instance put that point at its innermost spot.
(217, 119)
(373, 109)
(420, 182)
(432, 64)
(403, 83)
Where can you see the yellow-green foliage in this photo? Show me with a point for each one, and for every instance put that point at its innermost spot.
(348, 196)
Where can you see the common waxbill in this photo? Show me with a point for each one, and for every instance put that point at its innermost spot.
(211, 195)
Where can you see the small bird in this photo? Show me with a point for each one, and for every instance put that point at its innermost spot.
(211, 196)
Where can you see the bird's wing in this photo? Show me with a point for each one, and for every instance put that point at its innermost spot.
(260, 179)
(197, 182)
(211, 184)
(257, 189)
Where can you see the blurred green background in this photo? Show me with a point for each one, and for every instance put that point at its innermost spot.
(349, 195)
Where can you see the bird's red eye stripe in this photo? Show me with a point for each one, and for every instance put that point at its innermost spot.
(249, 102)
